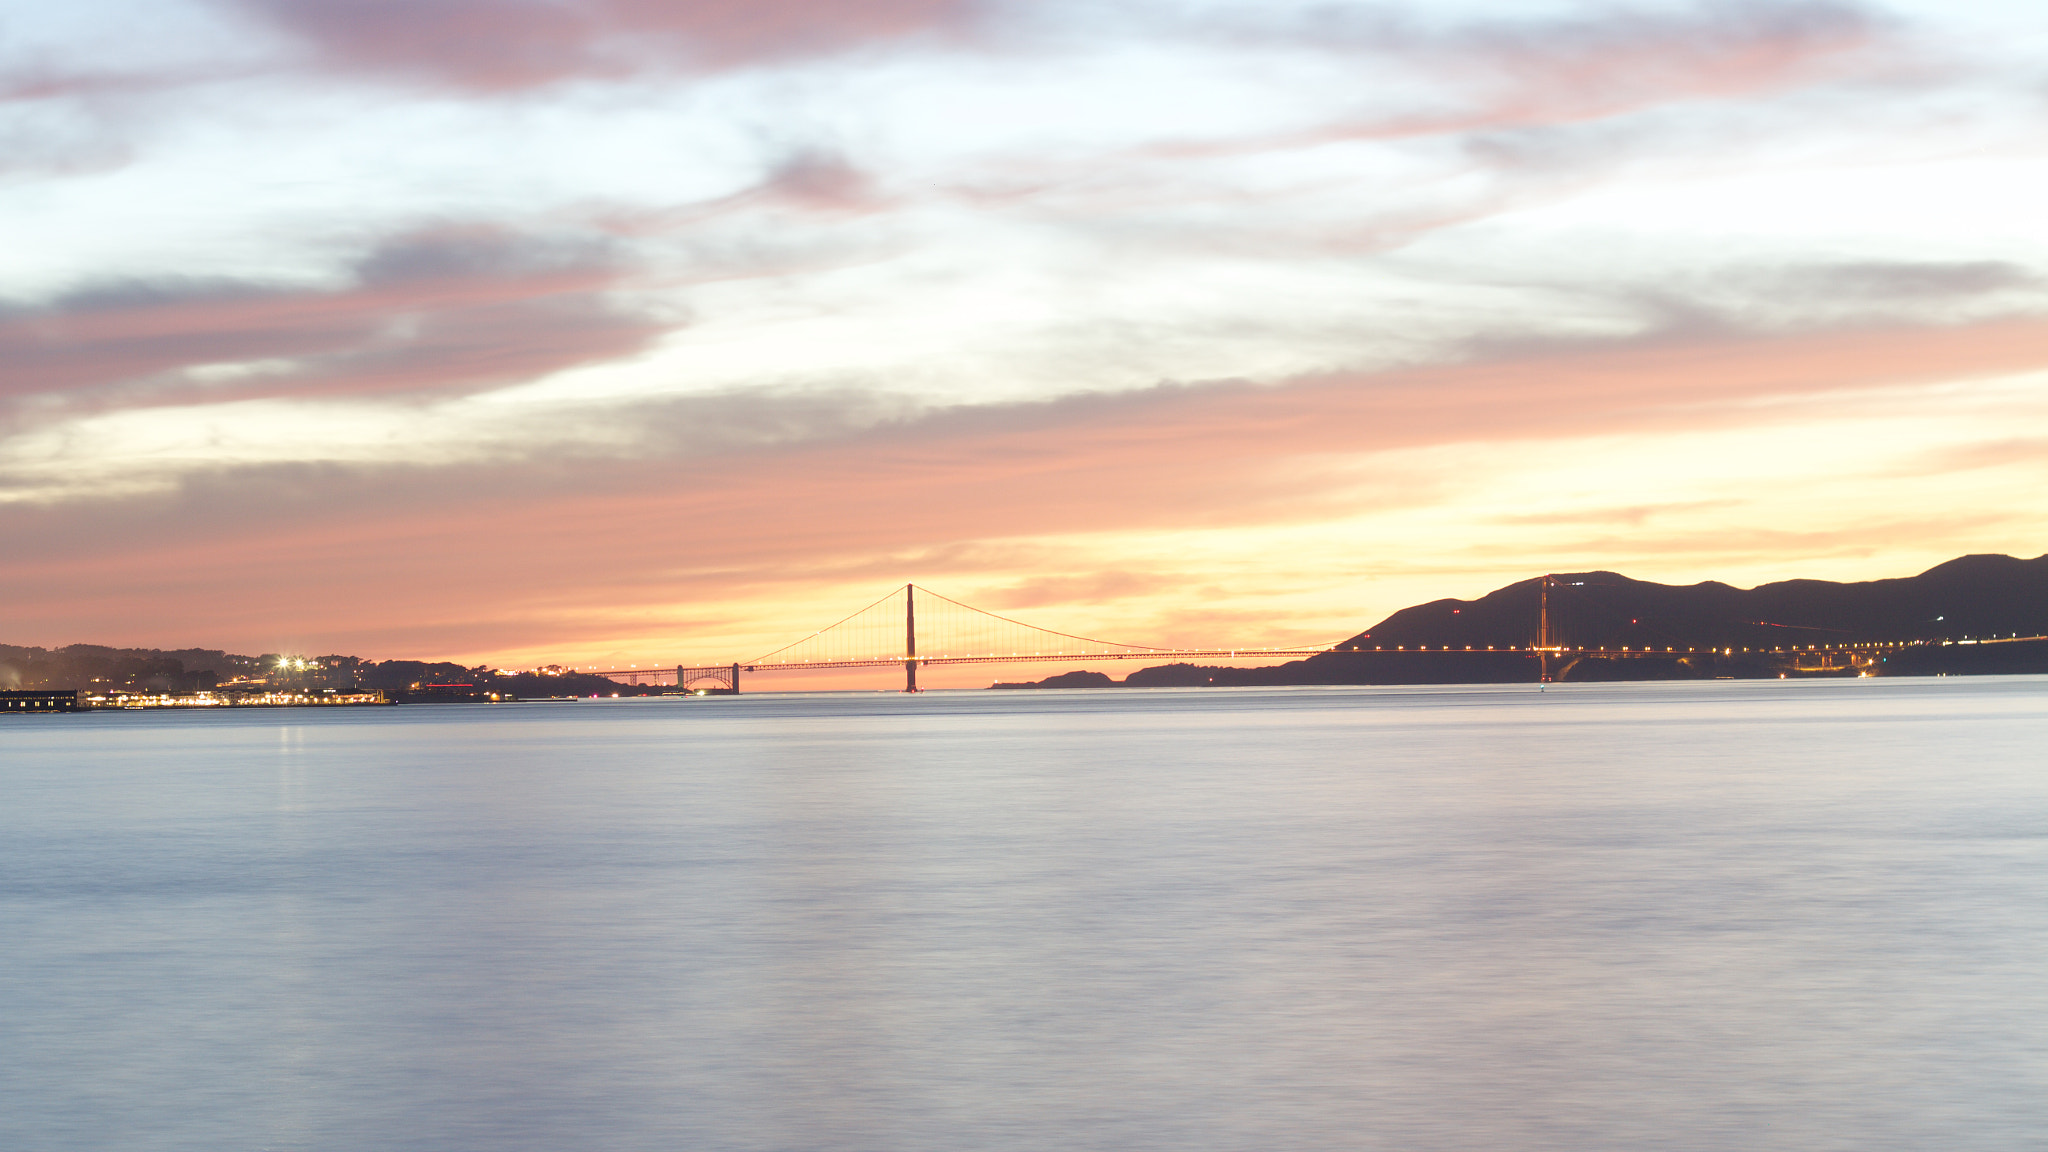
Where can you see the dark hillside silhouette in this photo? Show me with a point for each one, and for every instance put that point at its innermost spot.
(1965, 598)
(1968, 598)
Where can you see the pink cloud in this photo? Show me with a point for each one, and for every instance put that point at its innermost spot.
(431, 312)
(1493, 77)
(508, 44)
(1622, 61)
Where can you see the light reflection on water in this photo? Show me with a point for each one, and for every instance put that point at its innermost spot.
(1726, 916)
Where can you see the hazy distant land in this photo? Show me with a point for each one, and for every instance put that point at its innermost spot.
(190, 670)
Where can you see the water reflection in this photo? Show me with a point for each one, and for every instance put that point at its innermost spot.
(1801, 916)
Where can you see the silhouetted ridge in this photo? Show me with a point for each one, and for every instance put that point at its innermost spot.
(1971, 596)
(1966, 599)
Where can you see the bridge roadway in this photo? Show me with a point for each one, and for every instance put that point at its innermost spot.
(1855, 654)
(1261, 653)
(1035, 657)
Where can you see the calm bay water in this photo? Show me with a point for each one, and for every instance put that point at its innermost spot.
(1726, 916)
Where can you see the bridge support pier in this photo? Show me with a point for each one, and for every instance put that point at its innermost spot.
(692, 681)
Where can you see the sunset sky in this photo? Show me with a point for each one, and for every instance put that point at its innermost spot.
(609, 331)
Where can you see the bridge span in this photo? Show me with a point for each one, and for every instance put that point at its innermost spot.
(914, 627)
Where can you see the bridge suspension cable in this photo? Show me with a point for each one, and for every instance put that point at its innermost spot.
(917, 624)
(913, 626)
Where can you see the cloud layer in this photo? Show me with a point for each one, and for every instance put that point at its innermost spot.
(510, 327)
(857, 496)
(430, 312)
(495, 45)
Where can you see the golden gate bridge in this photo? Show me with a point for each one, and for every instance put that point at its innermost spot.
(914, 627)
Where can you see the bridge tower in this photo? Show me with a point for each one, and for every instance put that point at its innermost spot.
(1543, 631)
(910, 637)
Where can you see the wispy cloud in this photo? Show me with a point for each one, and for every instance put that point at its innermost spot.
(1631, 515)
(1482, 78)
(498, 45)
(432, 312)
(1093, 588)
(822, 490)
